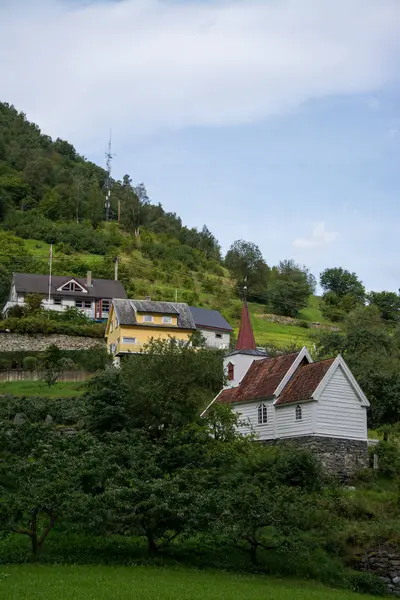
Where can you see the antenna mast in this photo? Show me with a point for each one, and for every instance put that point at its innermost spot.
(109, 158)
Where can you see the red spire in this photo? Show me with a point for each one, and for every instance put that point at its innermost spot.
(245, 339)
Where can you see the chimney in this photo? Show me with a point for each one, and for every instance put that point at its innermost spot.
(116, 268)
(89, 279)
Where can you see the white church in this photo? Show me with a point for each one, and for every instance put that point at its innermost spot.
(290, 397)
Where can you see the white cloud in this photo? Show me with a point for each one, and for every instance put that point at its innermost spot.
(318, 239)
(143, 65)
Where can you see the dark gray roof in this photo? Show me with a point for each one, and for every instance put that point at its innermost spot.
(151, 306)
(26, 283)
(126, 312)
(249, 353)
(210, 319)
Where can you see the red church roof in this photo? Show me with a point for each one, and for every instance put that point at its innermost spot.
(304, 382)
(245, 339)
(260, 381)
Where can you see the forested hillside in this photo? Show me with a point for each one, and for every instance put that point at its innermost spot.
(49, 194)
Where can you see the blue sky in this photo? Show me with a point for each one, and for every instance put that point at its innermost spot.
(275, 121)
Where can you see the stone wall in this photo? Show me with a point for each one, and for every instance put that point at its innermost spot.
(342, 457)
(383, 561)
(21, 342)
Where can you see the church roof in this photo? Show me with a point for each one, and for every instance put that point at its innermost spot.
(304, 382)
(260, 381)
(245, 339)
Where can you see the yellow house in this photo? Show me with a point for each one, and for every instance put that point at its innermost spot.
(132, 323)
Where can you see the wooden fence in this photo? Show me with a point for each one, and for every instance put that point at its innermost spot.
(24, 375)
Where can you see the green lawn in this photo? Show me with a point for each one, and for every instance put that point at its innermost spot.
(145, 583)
(277, 334)
(40, 388)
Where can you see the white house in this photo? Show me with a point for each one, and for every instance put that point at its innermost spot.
(213, 327)
(91, 296)
(290, 397)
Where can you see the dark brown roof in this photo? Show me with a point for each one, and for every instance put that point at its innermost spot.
(260, 381)
(304, 382)
(28, 283)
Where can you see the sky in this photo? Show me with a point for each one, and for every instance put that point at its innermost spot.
(272, 121)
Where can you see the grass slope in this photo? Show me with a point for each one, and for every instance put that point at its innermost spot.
(62, 389)
(278, 334)
(150, 280)
(145, 583)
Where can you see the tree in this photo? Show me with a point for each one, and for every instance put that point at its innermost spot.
(343, 292)
(291, 288)
(342, 282)
(166, 386)
(264, 504)
(373, 354)
(388, 304)
(51, 362)
(42, 477)
(246, 263)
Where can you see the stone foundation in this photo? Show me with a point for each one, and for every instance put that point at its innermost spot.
(342, 457)
(383, 561)
(17, 342)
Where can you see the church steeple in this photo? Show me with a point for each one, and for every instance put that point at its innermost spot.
(245, 339)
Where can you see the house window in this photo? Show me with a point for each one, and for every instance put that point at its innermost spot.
(262, 414)
(129, 340)
(57, 301)
(218, 336)
(231, 372)
(83, 304)
(167, 319)
(299, 413)
(112, 348)
(111, 327)
(147, 318)
(105, 306)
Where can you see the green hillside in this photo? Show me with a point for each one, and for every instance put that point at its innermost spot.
(49, 194)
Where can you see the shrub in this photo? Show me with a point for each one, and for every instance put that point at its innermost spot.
(304, 324)
(389, 458)
(36, 324)
(366, 583)
(298, 467)
(29, 363)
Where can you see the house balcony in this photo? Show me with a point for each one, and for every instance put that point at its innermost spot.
(88, 312)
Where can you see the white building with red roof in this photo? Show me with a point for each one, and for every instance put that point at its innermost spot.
(291, 397)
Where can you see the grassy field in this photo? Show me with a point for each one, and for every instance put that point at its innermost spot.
(145, 583)
(40, 388)
(278, 334)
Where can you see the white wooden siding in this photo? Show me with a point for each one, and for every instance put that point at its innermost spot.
(241, 364)
(249, 412)
(286, 424)
(212, 341)
(340, 413)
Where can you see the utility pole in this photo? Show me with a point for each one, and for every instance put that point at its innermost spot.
(116, 261)
(109, 157)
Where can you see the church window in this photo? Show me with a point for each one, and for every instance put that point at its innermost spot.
(262, 414)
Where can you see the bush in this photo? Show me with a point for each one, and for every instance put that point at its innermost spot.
(389, 458)
(29, 363)
(298, 467)
(36, 324)
(304, 324)
(366, 583)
